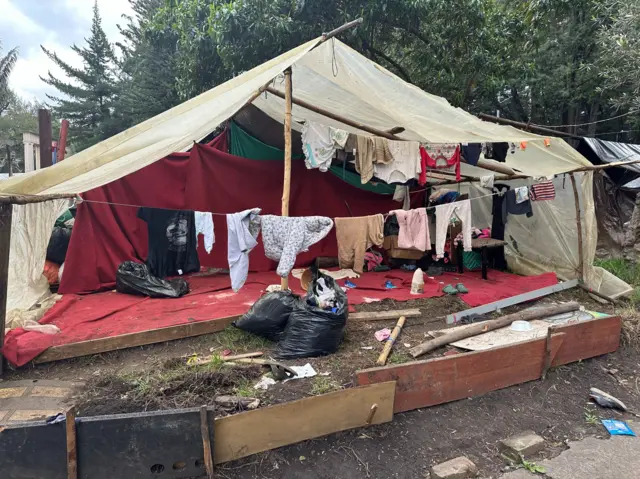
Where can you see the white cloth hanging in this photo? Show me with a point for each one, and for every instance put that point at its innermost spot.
(487, 181)
(319, 143)
(204, 226)
(406, 164)
(242, 234)
(462, 209)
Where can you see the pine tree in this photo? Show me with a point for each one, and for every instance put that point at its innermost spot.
(147, 66)
(88, 93)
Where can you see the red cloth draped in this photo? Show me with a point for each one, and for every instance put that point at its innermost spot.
(206, 179)
(439, 160)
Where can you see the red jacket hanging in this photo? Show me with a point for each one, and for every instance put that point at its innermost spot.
(439, 155)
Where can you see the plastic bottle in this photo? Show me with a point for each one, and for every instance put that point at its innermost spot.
(417, 282)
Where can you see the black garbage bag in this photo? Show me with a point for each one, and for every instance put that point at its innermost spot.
(316, 326)
(269, 315)
(58, 244)
(134, 278)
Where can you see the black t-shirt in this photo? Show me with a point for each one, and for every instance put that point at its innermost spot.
(172, 241)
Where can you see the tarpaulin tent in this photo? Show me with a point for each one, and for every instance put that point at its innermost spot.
(332, 77)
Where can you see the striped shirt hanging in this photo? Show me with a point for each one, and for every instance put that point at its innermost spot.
(543, 191)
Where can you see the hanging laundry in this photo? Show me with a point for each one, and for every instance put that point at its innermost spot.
(543, 191)
(522, 194)
(444, 213)
(370, 150)
(499, 152)
(442, 155)
(319, 143)
(172, 241)
(414, 229)
(405, 165)
(403, 196)
(242, 234)
(355, 236)
(496, 255)
(471, 153)
(511, 206)
(286, 236)
(487, 181)
(204, 226)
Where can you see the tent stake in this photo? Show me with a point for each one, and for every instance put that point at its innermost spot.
(6, 212)
(286, 189)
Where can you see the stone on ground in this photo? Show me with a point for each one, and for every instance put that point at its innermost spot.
(523, 444)
(458, 468)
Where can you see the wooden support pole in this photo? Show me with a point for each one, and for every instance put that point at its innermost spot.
(382, 359)
(333, 116)
(479, 328)
(206, 441)
(339, 30)
(526, 126)
(62, 142)
(286, 188)
(44, 129)
(27, 199)
(547, 353)
(6, 212)
(72, 449)
(576, 198)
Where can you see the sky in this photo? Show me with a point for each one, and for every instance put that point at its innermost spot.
(55, 24)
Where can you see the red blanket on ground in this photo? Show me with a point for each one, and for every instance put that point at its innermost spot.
(207, 179)
(100, 315)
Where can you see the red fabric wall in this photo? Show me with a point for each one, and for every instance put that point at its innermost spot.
(207, 179)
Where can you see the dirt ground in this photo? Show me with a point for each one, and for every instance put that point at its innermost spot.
(158, 377)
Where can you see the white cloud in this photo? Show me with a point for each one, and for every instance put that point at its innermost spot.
(33, 63)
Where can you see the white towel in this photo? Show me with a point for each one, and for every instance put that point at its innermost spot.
(204, 226)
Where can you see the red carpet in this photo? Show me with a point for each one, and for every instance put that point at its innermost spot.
(100, 315)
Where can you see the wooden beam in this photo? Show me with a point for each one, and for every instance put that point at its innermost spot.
(383, 315)
(28, 199)
(6, 213)
(527, 126)
(339, 30)
(45, 132)
(333, 116)
(131, 340)
(72, 446)
(267, 428)
(576, 199)
(286, 188)
(62, 142)
(206, 441)
(479, 328)
(513, 300)
(445, 379)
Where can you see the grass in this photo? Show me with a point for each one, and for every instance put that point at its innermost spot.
(627, 271)
(323, 385)
(591, 418)
(240, 341)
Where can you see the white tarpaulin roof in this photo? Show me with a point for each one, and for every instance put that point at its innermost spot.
(333, 77)
(337, 79)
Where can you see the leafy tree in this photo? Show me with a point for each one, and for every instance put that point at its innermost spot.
(619, 62)
(147, 83)
(19, 117)
(7, 62)
(88, 93)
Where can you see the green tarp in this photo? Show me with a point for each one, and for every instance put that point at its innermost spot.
(246, 146)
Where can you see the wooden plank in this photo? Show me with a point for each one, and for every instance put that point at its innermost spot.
(588, 339)
(520, 298)
(382, 315)
(72, 454)
(142, 338)
(440, 380)
(256, 431)
(6, 213)
(206, 441)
